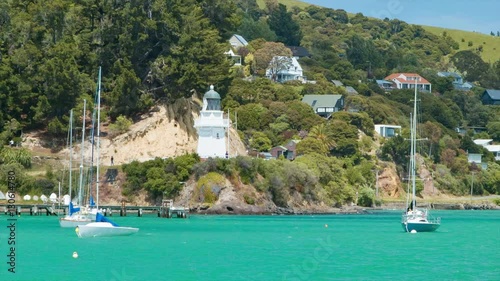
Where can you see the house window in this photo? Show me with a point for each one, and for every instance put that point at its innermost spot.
(314, 103)
(217, 135)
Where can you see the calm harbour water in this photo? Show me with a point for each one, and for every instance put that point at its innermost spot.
(352, 247)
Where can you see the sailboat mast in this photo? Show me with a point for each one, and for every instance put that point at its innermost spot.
(413, 144)
(98, 135)
(70, 150)
(81, 162)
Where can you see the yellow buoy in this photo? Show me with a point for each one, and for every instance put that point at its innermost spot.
(75, 255)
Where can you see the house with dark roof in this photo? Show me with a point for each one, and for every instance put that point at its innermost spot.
(237, 41)
(325, 105)
(408, 81)
(458, 82)
(299, 52)
(491, 97)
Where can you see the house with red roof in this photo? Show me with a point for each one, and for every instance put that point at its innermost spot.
(408, 81)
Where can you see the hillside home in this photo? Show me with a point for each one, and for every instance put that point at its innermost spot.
(288, 151)
(385, 85)
(299, 52)
(488, 144)
(325, 105)
(277, 151)
(458, 82)
(291, 148)
(350, 90)
(387, 131)
(236, 59)
(408, 81)
(282, 69)
(338, 83)
(237, 41)
(491, 97)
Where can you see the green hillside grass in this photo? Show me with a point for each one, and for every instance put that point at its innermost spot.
(491, 44)
(287, 3)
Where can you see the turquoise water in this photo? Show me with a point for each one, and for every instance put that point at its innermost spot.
(352, 247)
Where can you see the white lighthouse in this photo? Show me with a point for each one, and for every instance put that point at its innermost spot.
(212, 127)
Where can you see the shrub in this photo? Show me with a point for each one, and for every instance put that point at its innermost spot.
(249, 199)
(121, 126)
(208, 187)
(366, 197)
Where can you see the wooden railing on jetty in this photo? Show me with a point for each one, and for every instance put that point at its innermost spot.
(166, 210)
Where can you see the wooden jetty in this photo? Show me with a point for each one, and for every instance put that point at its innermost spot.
(166, 210)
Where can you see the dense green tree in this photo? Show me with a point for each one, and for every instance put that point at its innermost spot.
(470, 63)
(251, 116)
(269, 50)
(253, 29)
(286, 29)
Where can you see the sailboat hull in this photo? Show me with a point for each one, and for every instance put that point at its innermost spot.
(75, 220)
(101, 229)
(418, 220)
(420, 226)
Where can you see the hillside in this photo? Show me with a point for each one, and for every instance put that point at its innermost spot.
(151, 73)
(490, 44)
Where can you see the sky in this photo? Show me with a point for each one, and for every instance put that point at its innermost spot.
(479, 15)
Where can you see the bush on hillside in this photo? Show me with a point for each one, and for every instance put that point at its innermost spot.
(121, 125)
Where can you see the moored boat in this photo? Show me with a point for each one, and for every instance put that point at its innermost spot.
(103, 227)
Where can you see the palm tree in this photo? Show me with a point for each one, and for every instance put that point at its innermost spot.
(322, 133)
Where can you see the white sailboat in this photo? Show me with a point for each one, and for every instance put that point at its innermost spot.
(102, 226)
(76, 215)
(416, 219)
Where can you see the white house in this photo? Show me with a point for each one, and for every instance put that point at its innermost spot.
(408, 81)
(234, 57)
(282, 69)
(488, 144)
(387, 131)
(212, 127)
(237, 41)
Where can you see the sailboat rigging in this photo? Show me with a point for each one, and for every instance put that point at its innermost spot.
(415, 219)
(86, 214)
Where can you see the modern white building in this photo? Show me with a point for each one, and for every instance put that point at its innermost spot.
(387, 131)
(212, 127)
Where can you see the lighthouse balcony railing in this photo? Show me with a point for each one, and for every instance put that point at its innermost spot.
(211, 122)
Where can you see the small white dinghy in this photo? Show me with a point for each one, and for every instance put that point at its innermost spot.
(103, 227)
